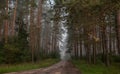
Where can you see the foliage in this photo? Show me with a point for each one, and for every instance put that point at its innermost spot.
(1, 53)
(13, 54)
(16, 50)
(115, 58)
(88, 22)
(2, 5)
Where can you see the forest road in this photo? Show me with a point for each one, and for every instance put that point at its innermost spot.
(63, 67)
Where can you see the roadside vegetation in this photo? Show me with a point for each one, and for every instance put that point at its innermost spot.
(27, 66)
(99, 68)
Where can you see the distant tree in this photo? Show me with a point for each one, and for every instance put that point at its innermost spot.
(14, 17)
(6, 23)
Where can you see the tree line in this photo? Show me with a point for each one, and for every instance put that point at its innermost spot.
(29, 30)
(94, 28)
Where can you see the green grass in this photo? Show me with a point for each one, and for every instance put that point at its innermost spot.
(84, 68)
(26, 66)
(97, 69)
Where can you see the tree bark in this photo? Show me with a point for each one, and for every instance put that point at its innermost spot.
(31, 35)
(118, 31)
(6, 23)
(14, 18)
(106, 53)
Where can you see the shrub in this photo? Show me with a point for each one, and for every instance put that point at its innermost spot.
(11, 53)
(115, 58)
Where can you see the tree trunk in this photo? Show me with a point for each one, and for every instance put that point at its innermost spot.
(106, 53)
(94, 46)
(94, 53)
(110, 40)
(14, 18)
(118, 31)
(39, 18)
(32, 34)
(6, 23)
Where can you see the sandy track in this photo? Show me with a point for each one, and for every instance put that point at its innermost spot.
(63, 67)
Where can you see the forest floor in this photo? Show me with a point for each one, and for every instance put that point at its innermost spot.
(27, 66)
(99, 68)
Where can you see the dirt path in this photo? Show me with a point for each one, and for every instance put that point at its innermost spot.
(63, 67)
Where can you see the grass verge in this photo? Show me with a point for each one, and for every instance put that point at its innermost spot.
(81, 65)
(27, 66)
(98, 68)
